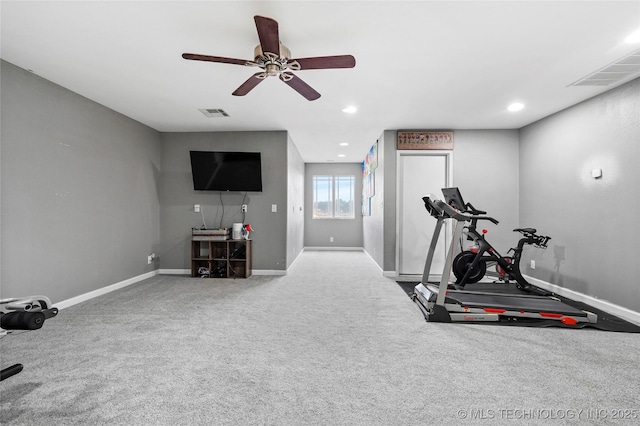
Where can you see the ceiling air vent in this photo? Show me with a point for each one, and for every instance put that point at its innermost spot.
(621, 69)
(214, 112)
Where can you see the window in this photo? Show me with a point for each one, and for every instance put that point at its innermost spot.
(333, 197)
(322, 197)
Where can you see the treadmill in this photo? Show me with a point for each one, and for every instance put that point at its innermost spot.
(470, 306)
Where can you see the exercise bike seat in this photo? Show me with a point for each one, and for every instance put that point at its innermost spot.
(526, 230)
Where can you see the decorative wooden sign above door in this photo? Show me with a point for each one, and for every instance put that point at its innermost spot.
(425, 140)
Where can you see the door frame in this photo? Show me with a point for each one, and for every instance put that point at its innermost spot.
(448, 156)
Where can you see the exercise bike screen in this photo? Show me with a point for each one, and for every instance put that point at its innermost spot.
(453, 198)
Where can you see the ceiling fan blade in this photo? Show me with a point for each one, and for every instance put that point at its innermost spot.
(325, 62)
(207, 58)
(248, 85)
(299, 86)
(268, 34)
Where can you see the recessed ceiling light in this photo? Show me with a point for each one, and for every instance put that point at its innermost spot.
(634, 37)
(344, 144)
(341, 155)
(350, 109)
(516, 106)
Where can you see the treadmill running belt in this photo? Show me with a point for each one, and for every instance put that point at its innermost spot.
(513, 303)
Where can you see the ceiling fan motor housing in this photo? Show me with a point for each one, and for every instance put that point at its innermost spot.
(284, 52)
(271, 63)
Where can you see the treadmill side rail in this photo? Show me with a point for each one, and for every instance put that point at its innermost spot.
(454, 311)
(473, 317)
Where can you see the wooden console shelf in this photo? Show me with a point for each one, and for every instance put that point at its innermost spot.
(220, 259)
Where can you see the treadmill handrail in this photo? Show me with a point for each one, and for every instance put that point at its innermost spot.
(449, 212)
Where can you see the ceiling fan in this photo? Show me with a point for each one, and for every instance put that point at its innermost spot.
(275, 59)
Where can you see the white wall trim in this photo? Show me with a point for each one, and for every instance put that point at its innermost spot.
(268, 272)
(409, 277)
(323, 248)
(253, 272)
(390, 274)
(296, 259)
(448, 155)
(612, 308)
(104, 290)
(175, 271)
(373, 260)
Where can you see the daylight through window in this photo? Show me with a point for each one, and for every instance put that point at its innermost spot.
(333, 197)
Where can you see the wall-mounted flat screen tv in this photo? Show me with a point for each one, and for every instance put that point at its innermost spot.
(226, 171)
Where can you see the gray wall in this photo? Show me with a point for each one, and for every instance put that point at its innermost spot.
(593, 223)
(485, 168)
(345, 232)
(380, 228)
(373, 225)
(295, 202)
(269, 251)
(80, 191)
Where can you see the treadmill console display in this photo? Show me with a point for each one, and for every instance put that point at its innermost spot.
(453, 198)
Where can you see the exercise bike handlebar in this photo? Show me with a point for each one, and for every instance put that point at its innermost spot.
(473, 210)
(440, 208)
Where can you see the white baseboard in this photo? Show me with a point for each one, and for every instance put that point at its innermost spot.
(322, 248)
(295, 260)
(104, 290)
(175, 271)
(412, 277)
(374, 261)
(267, 272)
(108, 289)
(253, 272)
(604, 305)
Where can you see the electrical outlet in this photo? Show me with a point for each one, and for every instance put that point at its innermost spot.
(196, 208)
(533, 264)
(274, 208)
(150, 258)
(244, 208)
(330, 239)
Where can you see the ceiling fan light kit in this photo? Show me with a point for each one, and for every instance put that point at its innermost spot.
(275, 59)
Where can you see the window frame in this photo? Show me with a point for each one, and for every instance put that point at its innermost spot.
(334, 182)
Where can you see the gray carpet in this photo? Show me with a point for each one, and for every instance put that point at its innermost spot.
(331, 343)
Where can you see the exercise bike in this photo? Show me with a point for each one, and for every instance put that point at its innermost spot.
(470, 266)
(25, 314)
(441, 303)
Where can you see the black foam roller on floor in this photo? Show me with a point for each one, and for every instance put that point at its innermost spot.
(10, 371)
(21, 320)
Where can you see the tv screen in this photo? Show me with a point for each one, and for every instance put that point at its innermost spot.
(226, 171)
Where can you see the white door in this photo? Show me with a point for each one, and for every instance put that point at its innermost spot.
(419, 174)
